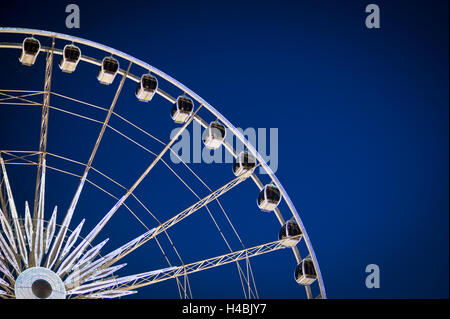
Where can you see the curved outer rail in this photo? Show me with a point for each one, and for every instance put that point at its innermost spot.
(200, 100)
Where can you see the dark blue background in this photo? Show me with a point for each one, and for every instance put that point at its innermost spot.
(362, 117)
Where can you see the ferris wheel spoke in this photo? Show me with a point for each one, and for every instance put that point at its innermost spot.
(20, 103)
(15, 157)
(84, 270)
(86, 255)
(186, 184)
(7, 229)
(80, 101)
(20, 91)
(180, 285)
(155, 276)
(51, 229)
(44, 121)
(5, 270)
(8, 253)
(168, 166)
(38, 239)
(54, 254)
(97, 267)
(254, 177)
(15, 218)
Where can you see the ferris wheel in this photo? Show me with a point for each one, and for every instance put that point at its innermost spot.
(43, 256)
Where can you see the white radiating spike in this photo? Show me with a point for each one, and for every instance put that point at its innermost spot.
(2, 292)
(39, 236)
(8, 231)
(91, 253)
(15, 217)
(5, 270)
(72, 239)
(57, 244)
(99, 263)
(50, 229)
(73, 280)
(28, 225)
(109, 294)
(4, 283)
(8, 253)
(66, 265)
(68, 262)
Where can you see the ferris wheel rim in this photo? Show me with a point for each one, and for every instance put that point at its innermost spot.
(209, 107)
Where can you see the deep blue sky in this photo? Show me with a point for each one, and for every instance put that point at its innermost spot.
(362, 117)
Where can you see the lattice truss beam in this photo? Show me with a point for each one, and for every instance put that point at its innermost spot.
(246, 279)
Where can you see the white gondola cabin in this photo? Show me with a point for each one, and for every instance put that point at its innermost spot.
(182, 109)
(146, 88)
(108, 70)
(244, 163)
(70, 58)
(269, 198)
(305, 273)
(290, 232)
(214, 135)
(30, 51)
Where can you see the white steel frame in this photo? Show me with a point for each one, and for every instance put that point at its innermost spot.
(77, 253)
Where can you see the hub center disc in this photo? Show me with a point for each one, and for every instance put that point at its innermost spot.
(39, 283)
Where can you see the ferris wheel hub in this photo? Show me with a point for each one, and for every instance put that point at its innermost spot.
(39, 283)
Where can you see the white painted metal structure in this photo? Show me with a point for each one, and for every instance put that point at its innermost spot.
(214, 135)
(30, 51)
(70, 58)
(34, 243)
